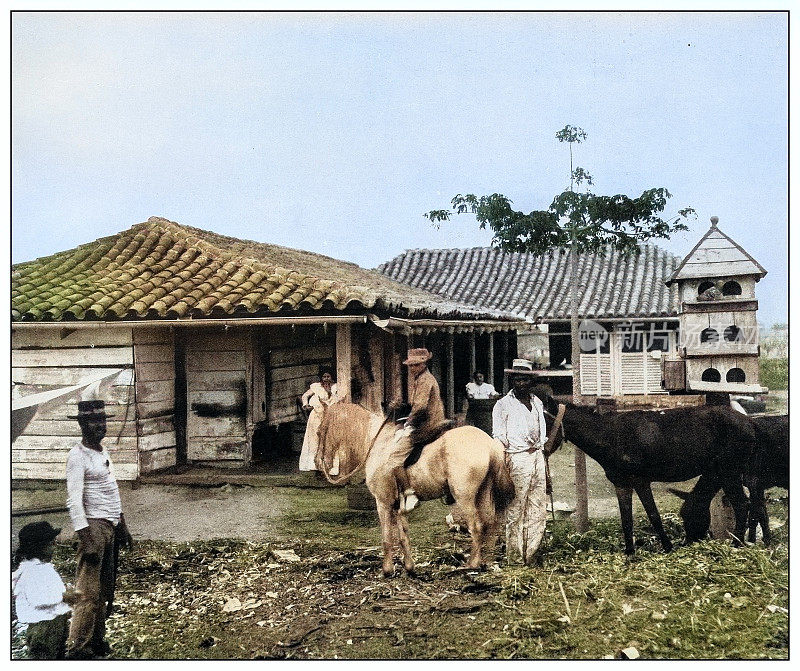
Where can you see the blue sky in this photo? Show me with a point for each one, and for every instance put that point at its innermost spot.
(336, 132)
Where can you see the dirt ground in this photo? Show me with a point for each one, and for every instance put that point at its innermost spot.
(255, 511)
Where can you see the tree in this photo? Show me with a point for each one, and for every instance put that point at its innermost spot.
(576, 222)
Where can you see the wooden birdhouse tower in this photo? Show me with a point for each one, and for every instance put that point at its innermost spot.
(719, 341)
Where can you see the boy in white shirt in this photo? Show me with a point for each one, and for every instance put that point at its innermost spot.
(39, 593)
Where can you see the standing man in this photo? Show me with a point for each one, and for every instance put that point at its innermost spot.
(518, 423)
(479, 388)
(96, 512)
(423, 394)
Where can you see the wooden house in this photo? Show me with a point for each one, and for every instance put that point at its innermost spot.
(625, 301)
(201, 345)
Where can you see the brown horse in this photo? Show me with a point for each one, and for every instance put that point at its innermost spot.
(464, 463)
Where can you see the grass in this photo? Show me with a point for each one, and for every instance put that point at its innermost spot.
(234, 599)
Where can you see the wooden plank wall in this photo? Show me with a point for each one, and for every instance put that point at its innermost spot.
(50, 359)
(293, 359)
(216, 380)
(154, 357)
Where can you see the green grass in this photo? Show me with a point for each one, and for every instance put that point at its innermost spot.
(585, 600)
(774, 373)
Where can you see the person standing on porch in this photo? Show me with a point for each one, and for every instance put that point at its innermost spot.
(480, 389)
(318, 396)
(96, 513)
(518, 423)
(426, 401)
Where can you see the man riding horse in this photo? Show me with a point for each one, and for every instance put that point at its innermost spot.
(427, 413)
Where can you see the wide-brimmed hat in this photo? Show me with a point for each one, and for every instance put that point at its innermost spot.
(419, 355)
(520, 367)
(36, 535)
(91, 410)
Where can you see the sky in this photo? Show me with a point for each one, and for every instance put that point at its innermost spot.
(336, 132)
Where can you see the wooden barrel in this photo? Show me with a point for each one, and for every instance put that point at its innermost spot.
(479, 413)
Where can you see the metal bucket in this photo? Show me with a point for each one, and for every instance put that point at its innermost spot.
(479, 413)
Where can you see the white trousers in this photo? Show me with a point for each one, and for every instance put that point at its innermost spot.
(526, 517)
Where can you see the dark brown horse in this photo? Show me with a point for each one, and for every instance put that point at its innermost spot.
(767, 467)
(638, 448)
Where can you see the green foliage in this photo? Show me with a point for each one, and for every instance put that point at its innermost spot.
(591, 222)
(774, 373)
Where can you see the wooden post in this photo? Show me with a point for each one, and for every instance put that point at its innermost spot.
(472, 364)
(490, 367)
(451, 401)
(376, 396)
(504, 340)
(343, 359)
(581, 515)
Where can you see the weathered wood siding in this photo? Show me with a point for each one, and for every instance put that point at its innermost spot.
(292, 359)
(51, 359)
(154, 357)
(216, 381)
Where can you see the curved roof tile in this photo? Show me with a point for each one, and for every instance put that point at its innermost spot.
(162, 270)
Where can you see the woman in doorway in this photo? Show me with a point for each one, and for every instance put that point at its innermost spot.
(319, 394)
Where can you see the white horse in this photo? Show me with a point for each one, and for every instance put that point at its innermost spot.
(464, 462)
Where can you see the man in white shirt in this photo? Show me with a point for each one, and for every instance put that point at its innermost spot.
(96, 512)
(518, 423)
(480, 389)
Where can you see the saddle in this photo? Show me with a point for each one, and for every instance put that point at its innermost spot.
(424, 435)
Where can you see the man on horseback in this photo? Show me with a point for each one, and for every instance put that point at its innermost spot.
(518, 423)
(427, 411)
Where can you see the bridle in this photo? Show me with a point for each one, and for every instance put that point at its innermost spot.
(337, 480)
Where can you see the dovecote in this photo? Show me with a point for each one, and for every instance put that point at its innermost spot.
(719, 340)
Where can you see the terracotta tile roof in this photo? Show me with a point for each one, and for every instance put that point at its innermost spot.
(160, 269)
(538, 286)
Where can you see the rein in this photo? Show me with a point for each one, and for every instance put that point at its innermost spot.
(557, 425)
(339, 479)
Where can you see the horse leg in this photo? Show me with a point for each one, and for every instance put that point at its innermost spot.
(386, 516)
(625, 500)
(476, 529)
(758, 515)
(405, 543)
(645, 493)
(490, 524)
(735, 492)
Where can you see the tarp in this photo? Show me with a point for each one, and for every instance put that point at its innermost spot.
(92, 387)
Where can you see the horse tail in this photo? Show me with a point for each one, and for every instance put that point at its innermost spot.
(499, 479)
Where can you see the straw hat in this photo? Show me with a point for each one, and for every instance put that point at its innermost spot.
(520, 367)
(419, 355)
(90, 409)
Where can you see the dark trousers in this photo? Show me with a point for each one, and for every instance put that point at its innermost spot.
(94, 584)
(47, 639)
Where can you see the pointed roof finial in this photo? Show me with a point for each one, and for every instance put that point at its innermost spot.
(714, 222)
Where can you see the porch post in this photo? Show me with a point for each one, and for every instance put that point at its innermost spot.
(343, 359)
(451, 401)
(472, 363)
(490, 368)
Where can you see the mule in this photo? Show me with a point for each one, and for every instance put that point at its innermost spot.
(767, 467)
(463, 463)
(638, 448)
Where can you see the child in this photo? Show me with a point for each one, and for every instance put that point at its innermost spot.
(39, 593)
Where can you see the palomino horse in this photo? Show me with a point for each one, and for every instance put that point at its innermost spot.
(464, 462)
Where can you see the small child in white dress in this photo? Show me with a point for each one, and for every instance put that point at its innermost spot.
(40, 596)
